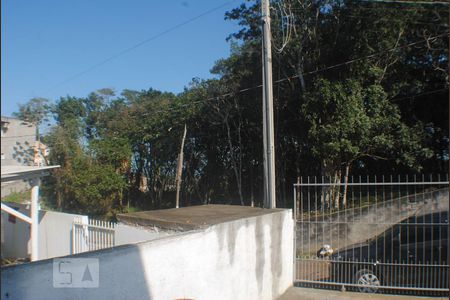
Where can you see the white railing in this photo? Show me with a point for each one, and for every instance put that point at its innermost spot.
(90, 234)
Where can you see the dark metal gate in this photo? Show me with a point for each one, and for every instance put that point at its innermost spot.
(373, 234)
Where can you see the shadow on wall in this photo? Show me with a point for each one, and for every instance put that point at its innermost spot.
(23, 153)
(55, 233)
(120, 276)
(248, 258)
(16, 233)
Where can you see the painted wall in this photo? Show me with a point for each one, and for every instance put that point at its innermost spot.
(17, 142)
(55, 234)
(126, 234)
(249, 258)
(15, 234)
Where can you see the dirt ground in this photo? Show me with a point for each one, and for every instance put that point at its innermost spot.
(317, 270)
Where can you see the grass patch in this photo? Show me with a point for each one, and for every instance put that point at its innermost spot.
(17, 197)
(132, 209)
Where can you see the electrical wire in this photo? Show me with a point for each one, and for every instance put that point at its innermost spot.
(443, 24)
(215, 98)
(140, 44)
(407, 2)
(296, 120)
(419, 95)
(345, 8)
(361, 58)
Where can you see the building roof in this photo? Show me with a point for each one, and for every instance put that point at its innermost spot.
(10, 173)
(192, 217)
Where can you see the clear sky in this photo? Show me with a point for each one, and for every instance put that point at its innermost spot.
(46, 42)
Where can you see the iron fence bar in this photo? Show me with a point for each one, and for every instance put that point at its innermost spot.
(387, 205)
(367, 263)
(294, 271)
(385, 287)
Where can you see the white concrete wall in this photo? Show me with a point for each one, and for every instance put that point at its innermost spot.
(55, 234)
(244, 259)
(125, 234)
(15, 235)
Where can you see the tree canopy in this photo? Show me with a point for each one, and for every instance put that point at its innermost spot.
(355, 83)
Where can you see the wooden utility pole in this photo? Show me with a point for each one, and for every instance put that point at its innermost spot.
(268, 130)
(180, 168)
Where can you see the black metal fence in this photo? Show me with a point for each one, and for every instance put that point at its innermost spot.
(385, 234)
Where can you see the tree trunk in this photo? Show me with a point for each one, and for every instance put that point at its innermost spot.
(180, 169)
(234, 164)
(37, 147)
(344, 198)
(336, 190)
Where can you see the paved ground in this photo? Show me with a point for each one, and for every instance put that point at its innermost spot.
(192, 217)
(296, 293)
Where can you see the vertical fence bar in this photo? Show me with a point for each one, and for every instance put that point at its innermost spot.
(294, 216)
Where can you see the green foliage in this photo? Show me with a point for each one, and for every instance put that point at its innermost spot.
(95, 188)
(342, 95)
(349, 122)
(17, 197)
(35, 111)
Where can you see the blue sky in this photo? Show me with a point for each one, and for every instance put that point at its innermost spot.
(46, 42)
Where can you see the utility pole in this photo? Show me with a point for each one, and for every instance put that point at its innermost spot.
(268, 130)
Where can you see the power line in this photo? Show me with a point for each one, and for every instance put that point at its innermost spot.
(407, 2)
(297, 120)
(387, 19)
(384, 8)
(360, 58)
(419, 95)
(215, 98)
(147, 40)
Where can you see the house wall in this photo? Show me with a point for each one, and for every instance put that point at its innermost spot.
(17, 142)
(250, 258)
(55, 234)
(15, 234)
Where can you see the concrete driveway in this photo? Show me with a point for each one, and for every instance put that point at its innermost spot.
(296, 293)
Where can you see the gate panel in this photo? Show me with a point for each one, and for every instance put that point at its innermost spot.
(91, 234)
(373, 235)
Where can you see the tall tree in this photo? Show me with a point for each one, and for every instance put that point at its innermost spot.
(35, 112)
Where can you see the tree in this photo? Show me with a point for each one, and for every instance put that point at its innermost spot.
(35, 111)
(349, 121)
(344, 97)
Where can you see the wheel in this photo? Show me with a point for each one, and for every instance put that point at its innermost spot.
(368, 278)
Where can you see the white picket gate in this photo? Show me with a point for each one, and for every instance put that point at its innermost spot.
(90, 234)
